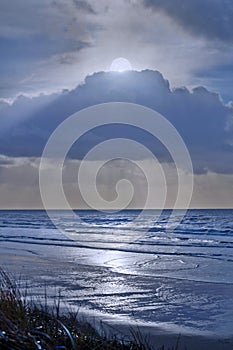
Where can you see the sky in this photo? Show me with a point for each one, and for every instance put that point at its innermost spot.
(56, 59)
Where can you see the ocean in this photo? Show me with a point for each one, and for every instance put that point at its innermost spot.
(133, 272)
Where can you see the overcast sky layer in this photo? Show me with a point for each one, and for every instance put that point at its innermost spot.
(55, 60)
(49, 45)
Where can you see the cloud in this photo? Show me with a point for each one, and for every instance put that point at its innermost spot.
(210, 18)
(84, 6)
(49, 45)
(29, 52)
(19, 186)
(200, 117)
(33, 34)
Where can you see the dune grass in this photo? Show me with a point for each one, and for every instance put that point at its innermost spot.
(26, 325)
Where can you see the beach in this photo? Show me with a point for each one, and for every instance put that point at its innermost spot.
(165, 284)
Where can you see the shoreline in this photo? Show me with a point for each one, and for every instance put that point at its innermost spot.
(94, 328)
(156, 333)
(124, 290)
(166, 334)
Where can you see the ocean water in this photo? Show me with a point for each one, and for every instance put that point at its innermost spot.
(109, 265)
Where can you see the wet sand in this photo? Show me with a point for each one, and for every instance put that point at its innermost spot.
(40, 273)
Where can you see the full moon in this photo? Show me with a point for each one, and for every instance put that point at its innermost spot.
(120, 64)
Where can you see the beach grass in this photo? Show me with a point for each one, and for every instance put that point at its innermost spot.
(26, 325)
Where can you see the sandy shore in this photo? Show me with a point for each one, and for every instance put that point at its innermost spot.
(41, 271)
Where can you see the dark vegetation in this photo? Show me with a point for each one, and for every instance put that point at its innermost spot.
(26, 325)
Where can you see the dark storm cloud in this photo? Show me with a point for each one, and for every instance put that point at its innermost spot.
(204, 122)
(210, 18)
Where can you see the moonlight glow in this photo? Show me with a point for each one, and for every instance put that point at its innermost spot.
(120, 64)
